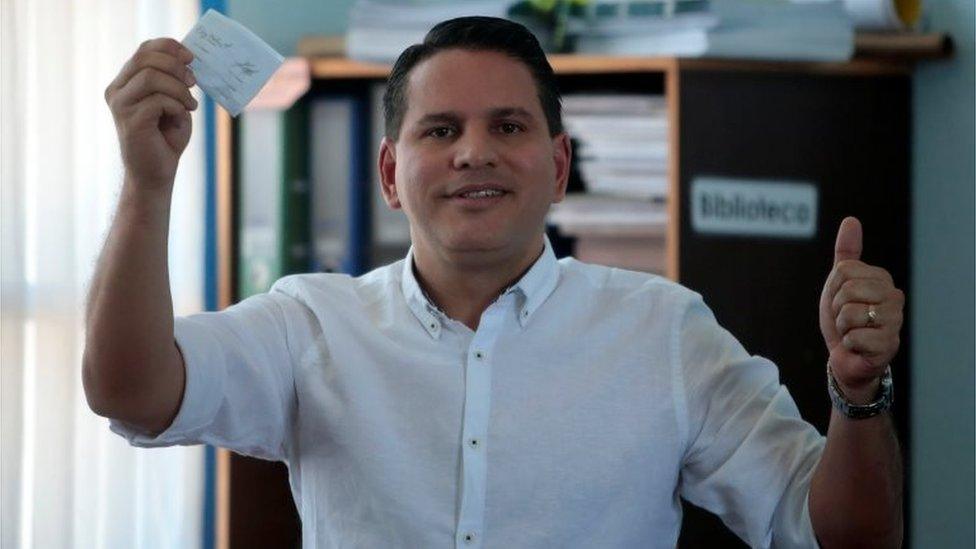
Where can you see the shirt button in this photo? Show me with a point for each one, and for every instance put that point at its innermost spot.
(525, 313)
(474, 443)
(480, 355)
(469, 537)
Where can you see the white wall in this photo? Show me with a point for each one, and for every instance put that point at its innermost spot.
(281, 25)
(942, 292)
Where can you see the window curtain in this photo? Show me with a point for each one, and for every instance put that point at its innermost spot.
(67, 481)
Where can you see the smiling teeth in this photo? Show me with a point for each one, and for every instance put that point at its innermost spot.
(482, 194)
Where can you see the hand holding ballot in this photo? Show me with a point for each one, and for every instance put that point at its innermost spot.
(150, 98)
(860, 316)
(151, 102)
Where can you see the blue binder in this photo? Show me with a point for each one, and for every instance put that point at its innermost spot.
(340, 181)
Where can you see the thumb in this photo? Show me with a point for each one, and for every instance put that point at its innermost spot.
(849, 240)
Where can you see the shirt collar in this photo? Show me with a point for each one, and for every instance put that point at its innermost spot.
(533, 288)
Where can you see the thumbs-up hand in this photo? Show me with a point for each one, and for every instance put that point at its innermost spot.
(860, 317)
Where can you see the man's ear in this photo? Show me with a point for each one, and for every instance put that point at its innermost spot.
(387, 167)
(562, 156)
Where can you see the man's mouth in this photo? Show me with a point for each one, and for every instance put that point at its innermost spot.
(484, 193)
(479, 197)
(479, 192)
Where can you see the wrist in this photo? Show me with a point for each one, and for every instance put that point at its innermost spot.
(145, 200)
(861, 403)
(861, 393)
(146, 186)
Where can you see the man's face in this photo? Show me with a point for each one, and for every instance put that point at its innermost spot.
(474, 122)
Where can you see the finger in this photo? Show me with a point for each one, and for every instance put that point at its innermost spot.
(849, 240)
(855, 315)
(164, 53)
(161, 61)
(168, 45)
(860, 290)
(150, 81)
(870, 342)
(850, 270)
(151, 108)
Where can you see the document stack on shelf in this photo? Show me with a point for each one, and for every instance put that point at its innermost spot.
(786, 30)
(622, 158)
(619, 232)
(622, 143)
(379, 30)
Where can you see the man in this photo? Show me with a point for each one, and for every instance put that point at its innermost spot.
(480, 392)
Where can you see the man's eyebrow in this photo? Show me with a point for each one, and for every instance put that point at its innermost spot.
(502, 112)
(451, 116)
(446, 116)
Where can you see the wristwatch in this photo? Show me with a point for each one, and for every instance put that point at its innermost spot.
(861, 411)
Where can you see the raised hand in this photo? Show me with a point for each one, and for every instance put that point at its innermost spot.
(150, 101)
(860, 316)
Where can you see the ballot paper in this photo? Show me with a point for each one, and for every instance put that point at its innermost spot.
(231, 64)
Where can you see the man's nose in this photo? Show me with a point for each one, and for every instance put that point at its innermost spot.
(475, 149)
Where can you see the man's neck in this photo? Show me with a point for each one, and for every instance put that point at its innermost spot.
(464, 289)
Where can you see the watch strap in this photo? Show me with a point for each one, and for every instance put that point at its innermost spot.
(861, 411)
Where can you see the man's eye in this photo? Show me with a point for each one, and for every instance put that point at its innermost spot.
(440, 131)
(509, 127)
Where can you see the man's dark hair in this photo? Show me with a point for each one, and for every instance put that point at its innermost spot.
(476, 33)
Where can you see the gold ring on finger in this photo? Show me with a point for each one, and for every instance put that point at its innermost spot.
(872, 316)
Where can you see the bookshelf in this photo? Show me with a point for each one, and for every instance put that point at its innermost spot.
(843, 129)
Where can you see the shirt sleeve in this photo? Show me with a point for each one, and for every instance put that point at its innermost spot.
(239, 391)
(749, 456)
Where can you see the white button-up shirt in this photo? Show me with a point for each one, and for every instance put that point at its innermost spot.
(586, 403)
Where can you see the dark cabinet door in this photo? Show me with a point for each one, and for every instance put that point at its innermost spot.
(848, 136)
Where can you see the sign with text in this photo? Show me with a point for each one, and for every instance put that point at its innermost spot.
(754, 207)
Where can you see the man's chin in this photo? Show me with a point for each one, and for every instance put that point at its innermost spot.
(477, 241)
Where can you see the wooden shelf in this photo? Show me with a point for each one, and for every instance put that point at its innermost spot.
(854, 67)
(906, 46)
(339, 68)
(330, 68)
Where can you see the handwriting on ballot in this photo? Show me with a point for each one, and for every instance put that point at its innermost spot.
(231, 64)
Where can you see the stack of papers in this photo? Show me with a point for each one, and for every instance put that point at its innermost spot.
(787, 30)
(623, 233)
(622, 143)
(379, 30)
(582, 214)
